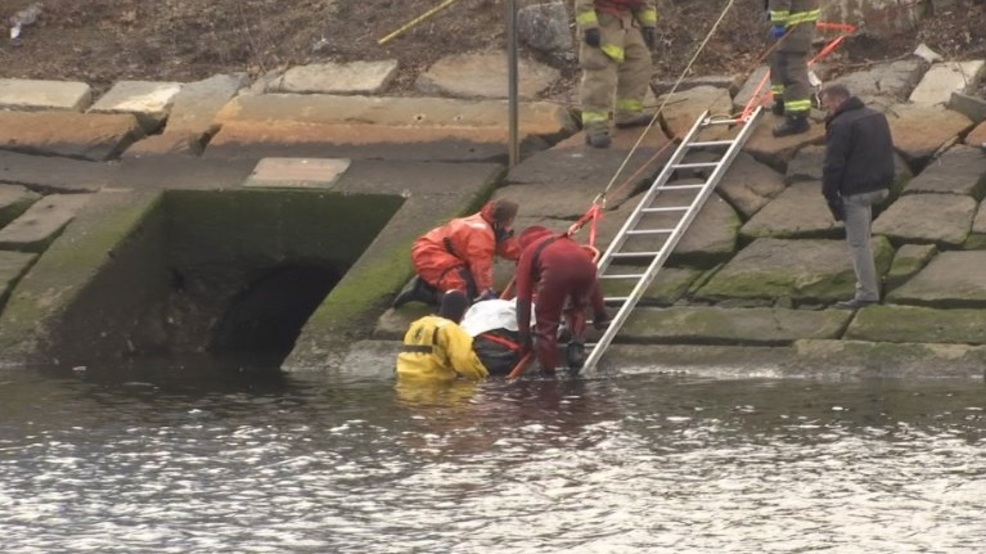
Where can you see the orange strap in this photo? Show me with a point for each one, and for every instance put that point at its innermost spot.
(518, 369)
(593, 215)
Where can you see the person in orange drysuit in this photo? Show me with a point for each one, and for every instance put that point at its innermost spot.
(459, 255)
(554, 269)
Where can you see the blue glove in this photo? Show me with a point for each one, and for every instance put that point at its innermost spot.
(778, 31)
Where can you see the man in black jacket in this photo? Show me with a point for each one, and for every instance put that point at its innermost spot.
(857, 173)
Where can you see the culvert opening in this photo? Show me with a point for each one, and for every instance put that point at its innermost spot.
(211, 277)
(262, 323)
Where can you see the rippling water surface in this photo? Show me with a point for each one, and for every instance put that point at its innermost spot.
(635, 463)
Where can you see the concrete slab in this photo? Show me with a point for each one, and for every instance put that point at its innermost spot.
(149, 101)
(51, 318)
(970, 106)
(921, 131)
(798, 212)
(951, 280)
(749, 185)
(15, 200)
(578, 171)
(977, 137)
(917, 324)
(194, 108)
(942, 79)
(805, 271)
(909, 259)
(942, 219)
(318, 126)
(885, 84)
(732, 83)
(484, 75)
(778, 152)
(752, 326)
(297, 173)
(757, 84)
(176, 143)
(174, 172)
(960, 170)
(684, 108)
(13, 265)
(36, 228)
(24, 94)
(360, 77)
(90, 136)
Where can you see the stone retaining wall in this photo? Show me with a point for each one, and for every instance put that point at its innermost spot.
(758, 271)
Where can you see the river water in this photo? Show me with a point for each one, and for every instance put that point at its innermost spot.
(642, 463)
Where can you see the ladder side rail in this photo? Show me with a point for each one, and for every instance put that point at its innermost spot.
(620, 238)
(630, 303)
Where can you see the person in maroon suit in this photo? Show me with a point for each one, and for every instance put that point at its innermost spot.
(559, 276)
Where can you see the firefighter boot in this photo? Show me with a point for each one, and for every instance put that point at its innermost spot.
(598, 139)
(778, 107)
(626, 120)
(575, 356)
(793, 125)
(419, 291)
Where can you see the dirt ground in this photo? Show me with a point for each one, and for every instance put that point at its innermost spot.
(102, 41)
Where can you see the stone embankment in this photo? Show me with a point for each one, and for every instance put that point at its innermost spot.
(749, 290)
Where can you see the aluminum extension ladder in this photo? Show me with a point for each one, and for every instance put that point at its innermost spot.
(664, 212)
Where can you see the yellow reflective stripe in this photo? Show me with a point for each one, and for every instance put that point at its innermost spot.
(647, 16)
(589, 117)
(613, 51)
(797, 106)
(777, 89)
(803, 17)
(628, 105)
(587, 19)
(779, 17)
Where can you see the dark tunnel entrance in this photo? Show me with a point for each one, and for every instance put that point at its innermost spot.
(262, 323)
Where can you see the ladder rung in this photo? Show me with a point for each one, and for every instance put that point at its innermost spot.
(612, 299)
(708, 122)
(668, 209)
(682, 187)
(623, 276)
(709, 143)
(635, 254)
(650, 232)
(696, 165)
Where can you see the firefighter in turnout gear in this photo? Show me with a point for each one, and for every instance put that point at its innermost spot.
(615, 56)
(793, 23)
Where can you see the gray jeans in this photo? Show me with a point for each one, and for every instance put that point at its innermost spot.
(859, 216)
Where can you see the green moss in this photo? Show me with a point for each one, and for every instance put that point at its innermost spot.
(67, 266)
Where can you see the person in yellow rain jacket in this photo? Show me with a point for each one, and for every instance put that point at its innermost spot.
(617, 38)
(437, 349)
(793, 23)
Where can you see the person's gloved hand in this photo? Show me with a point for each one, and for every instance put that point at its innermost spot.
(838, 209)
(778, 31)
(592, 37)
(649, 36)
(488, 294)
